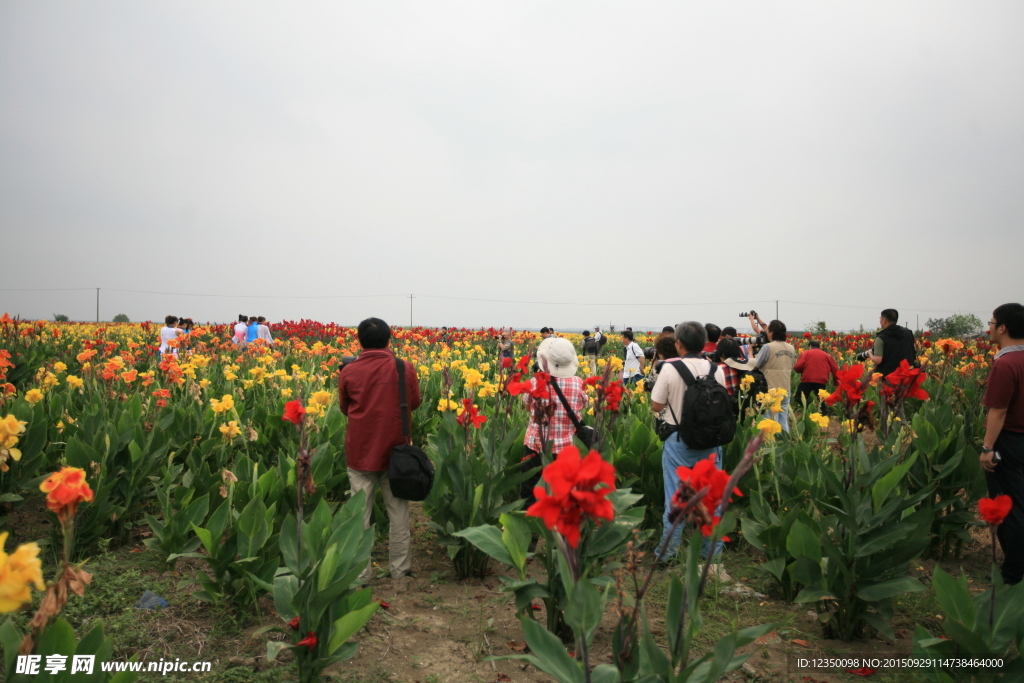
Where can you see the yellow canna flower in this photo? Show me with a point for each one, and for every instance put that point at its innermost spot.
(437, 367)
(473, 377)
(819, 419)
(223, 405)
(486, 390)
(446, 404)
(33, 396)
(203, 383)
(746, 382)
(322, 397)
(287, 392)
(315, 409)
(60, 367)
(823, 394)
(770, 428)
(484, 367)
(17, 571)
(230, 430)
(424, 371)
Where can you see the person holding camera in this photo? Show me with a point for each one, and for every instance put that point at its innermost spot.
(667, 401)
(893, 344)
(664, 349)
(815, 367)
(589, 349)
(1002, 452)
(776, 360)
(634, 359)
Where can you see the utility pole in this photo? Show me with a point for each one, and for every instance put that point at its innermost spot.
(410, 311)
(776, 309)
(97, 304)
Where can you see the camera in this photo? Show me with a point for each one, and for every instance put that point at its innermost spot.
(751, 312)
(863, 355)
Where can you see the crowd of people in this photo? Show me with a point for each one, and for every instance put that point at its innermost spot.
(764, 362)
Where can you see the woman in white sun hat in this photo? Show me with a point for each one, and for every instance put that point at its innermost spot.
(557, 357)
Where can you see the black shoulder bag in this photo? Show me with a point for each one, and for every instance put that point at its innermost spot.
(411, 474)
(584, 433)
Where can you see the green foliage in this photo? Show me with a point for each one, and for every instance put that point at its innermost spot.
(59, 639)
(956, 325)
(121, 318)
(60, 318)
(844, 547)
(322, 560)
(476, 480)
(987, 625)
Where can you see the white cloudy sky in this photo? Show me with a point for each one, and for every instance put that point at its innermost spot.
(632, 163)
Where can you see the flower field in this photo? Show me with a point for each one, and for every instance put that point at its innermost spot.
(204, 463)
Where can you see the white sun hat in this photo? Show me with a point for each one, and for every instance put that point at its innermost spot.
(557, 357)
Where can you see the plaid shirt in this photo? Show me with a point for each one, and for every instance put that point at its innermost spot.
(732, 379)
(561, 430)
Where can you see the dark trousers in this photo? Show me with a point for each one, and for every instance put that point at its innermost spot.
(806, 392)
(1008, 479)
(531, 459)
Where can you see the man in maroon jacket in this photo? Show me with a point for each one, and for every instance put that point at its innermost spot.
(368, 394)
(815, 368)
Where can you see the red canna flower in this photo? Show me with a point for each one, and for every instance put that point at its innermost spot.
(613, 395)
(704, 474)
(849, 388)
(524, 364)
(592, 381)
(994, 510)
(293, 412)
(506, 363)
(579, 487)
(309, 641)
(906, 376)
(470, 415)
(294, 623)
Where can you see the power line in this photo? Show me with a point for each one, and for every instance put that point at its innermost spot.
(633, 304)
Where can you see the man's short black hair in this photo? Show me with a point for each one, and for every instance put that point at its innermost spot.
(545, 330)
(668, 328)
(814, 344)
(373, 333)
(261, 319)
(729, 331)
(714, 332)
(891, 314)
(171, 319)
(628, 334)
(586, 333)
(1011, 315)
(778, 330)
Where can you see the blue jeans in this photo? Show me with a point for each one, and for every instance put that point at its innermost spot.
(674, 454)
(783, 417)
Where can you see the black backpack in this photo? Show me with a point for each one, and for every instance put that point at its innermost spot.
(411, 474)
(708, 418)
(589, 345)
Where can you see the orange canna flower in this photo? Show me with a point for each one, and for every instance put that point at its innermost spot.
(130, 376)
(86, 355)
(65, 490)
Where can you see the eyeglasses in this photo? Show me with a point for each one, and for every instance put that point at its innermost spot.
(992, 322)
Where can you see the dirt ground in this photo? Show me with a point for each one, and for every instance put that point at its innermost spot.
(433, 629)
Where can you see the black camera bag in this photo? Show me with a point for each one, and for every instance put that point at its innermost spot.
(411, 474)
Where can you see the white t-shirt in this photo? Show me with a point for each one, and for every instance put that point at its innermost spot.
(240, 331)
(670, 387)
(632, 363)
(166, 335)
(263, 332)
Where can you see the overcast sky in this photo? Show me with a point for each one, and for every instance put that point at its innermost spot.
(626, 163)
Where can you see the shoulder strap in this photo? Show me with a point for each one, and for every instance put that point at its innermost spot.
(403, 400)
(684, 372)
(572, 413)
